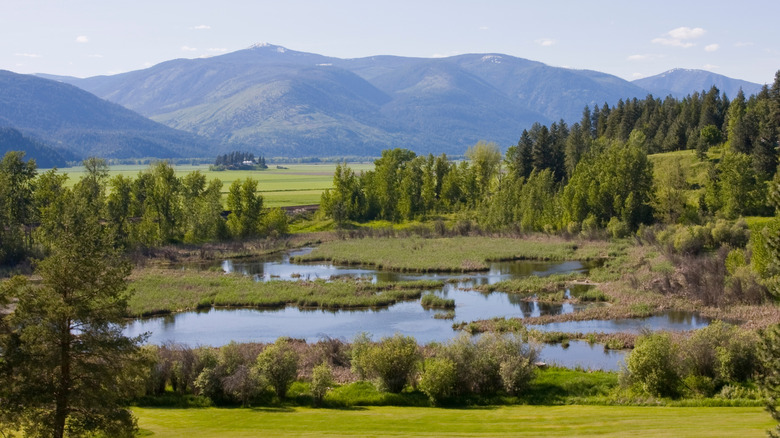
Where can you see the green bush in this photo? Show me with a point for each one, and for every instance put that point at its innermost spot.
(653, 365)
(516, 373)
(275, 222)
(617, 229)
(437, 379)
(392, 361)
(491, 363)
(691, 239)
(734, 234)
(278, 365)
(321, 382)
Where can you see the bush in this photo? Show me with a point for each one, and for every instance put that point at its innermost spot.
(516, 373)
(735, 235)
(617, 229)
(278, 365)
(392, 361)
(275, 222)
(491, 363)
(652, 365)
(690, 240)
(321, 381)
(437, 379)
(226, 375)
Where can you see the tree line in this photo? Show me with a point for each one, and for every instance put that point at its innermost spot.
(152, 209)
(586, 175)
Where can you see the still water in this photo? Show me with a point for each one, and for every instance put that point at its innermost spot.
(219, 326)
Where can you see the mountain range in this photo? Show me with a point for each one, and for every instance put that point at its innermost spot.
(80, 124)
(278, 102)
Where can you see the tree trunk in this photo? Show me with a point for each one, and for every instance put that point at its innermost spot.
(62, 394)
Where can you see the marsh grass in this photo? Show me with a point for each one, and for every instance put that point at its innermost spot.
(451, 254)
(433, 301)
(449, 314)
(160, 291)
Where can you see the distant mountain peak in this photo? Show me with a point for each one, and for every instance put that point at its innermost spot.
(279, 49)
(680, 82)
(495, 59)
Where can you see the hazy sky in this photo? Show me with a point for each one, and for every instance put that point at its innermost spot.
(627, 38)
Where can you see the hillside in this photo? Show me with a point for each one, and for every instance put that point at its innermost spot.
(279, 102)
(82, 124)
(44, 155)
(681, 82)
(276, 101)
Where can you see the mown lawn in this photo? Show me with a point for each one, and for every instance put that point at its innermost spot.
(514, 421)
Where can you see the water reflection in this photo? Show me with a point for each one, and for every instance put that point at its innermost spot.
(674, 321)
(582, 354)
(219, 326)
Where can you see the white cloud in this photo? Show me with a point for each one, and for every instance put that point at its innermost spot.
(644, 57)
(545, 42)
(637, 75)
(484, 28)
(189, 49)
(686, 33)
(710, 67)
(679, 37)
(712, 47)
(201, 27)
(672, 42)
(82, 39)
(28, 55)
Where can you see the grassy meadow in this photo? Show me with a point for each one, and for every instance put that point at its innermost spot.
(514, 421)
(290, 185)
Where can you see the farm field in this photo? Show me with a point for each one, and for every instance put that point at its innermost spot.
(294, 184)
(515, 421)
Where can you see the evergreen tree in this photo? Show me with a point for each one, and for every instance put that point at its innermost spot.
(67, 368)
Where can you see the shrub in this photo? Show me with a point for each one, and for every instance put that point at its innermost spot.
(437, 379)
(690, 240)
(573, 228)
(516, 373)
(226, 374)
(491, 363)
(652, 365)
(321, 381)
(617, 229)
(735, 235)
(590, 226)
(392, 361)
(278, 365)
(275, 222)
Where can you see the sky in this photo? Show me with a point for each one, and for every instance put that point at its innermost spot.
(627, 38)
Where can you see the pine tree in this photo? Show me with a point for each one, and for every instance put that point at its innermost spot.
(67, 368)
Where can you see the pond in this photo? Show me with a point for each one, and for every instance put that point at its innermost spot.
(217, 327)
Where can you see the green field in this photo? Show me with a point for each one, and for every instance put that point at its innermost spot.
(514, 421)
(294, 184)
